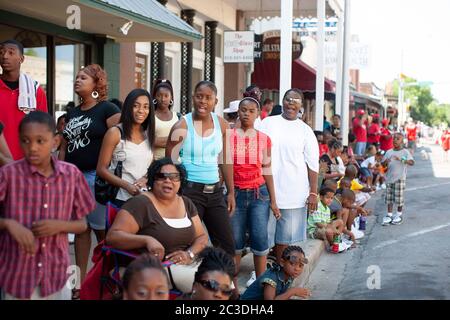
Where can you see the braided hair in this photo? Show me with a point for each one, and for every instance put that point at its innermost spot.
(287, 252)
(214, 259)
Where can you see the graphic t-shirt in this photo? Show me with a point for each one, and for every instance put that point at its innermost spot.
(396, 168)
(84, 133)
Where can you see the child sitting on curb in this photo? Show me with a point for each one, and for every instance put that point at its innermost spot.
(320, 225)
(274, 284)
(361, 193)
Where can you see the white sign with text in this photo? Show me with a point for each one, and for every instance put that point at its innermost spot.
(238, 46)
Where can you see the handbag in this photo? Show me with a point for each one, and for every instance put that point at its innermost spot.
(104, 191)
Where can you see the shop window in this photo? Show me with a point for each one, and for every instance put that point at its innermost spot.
(140, 75)
(218, 45)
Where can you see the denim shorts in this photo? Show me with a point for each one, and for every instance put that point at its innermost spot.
(289, 229)
(96, 219)
(252, 214)
(360, 148)
(365, 172)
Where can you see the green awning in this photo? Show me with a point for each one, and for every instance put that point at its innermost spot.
(151, 20)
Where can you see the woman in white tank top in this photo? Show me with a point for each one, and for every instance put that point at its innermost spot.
(165, 118)
(131, 142)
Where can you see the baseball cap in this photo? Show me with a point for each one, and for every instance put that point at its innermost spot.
(375, 115)
(233, 106)
(360, 112)
(385, 122)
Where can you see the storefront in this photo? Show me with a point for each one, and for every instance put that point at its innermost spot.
(55, 51)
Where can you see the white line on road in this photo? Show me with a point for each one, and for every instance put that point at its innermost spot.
(411, 235)
(426, 187)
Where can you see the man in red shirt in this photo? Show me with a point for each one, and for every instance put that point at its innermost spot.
(373, 134)
(11, 58)
(386, 138)
(411, 135)
(359, 130)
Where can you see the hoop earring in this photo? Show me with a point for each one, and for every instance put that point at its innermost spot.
(155, 102)
(94, 94)
(171, 103)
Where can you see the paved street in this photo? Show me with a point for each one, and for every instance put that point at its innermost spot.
(413, 258)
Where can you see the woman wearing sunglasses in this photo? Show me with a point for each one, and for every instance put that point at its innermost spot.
(162, 222)
(213, 279)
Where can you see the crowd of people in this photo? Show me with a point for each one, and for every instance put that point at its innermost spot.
(193, 191)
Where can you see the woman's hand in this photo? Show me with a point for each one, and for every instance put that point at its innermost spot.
(231, 201)
(275, 210)
(312, 202)
(133, 189)
(141, 183)
(155, 247)
(179, 257)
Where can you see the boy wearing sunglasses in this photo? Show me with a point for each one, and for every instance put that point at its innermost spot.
(275, 283)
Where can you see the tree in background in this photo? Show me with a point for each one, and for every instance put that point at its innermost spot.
(423, 107)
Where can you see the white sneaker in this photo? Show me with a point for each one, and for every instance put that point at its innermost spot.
(386, 220)
(252, 279)
(383, 186)
(357, 233)
(378, 188)
(356, 223)
(397, 219)
(343, 246)
(348, 242)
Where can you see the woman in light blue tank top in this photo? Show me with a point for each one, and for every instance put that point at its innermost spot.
(199, 140)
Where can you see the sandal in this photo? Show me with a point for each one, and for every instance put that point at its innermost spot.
(75, 294)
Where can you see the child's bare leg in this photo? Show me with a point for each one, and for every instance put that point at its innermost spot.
(351, 217)
(338, 225)
(343, 215)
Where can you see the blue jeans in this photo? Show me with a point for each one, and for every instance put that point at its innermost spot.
(360, 148)
(252, 214)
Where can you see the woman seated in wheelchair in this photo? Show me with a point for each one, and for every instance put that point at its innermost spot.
(145, 279)
(162, 222)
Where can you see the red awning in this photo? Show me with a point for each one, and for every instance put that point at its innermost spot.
(267, 73)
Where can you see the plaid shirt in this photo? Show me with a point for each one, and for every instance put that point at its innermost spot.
(321, 215)
(27, 196)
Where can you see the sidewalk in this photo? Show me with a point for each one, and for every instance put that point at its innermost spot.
(313, 250)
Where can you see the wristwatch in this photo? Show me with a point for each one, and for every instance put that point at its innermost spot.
(191, 254)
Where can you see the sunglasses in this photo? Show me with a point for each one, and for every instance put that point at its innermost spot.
(294, 101)
(295, 260)
(213, 285)
(164, 175)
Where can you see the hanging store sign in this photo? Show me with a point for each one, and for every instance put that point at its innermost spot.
(238, 46)
(271, 46)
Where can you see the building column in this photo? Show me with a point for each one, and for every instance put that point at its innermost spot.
(339, 62)
(287, 8)
(210, 50)
(345, 116)
(320, 86)
(157, 58)
(186, 66)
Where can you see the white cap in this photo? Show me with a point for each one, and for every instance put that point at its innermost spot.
(232, 107)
